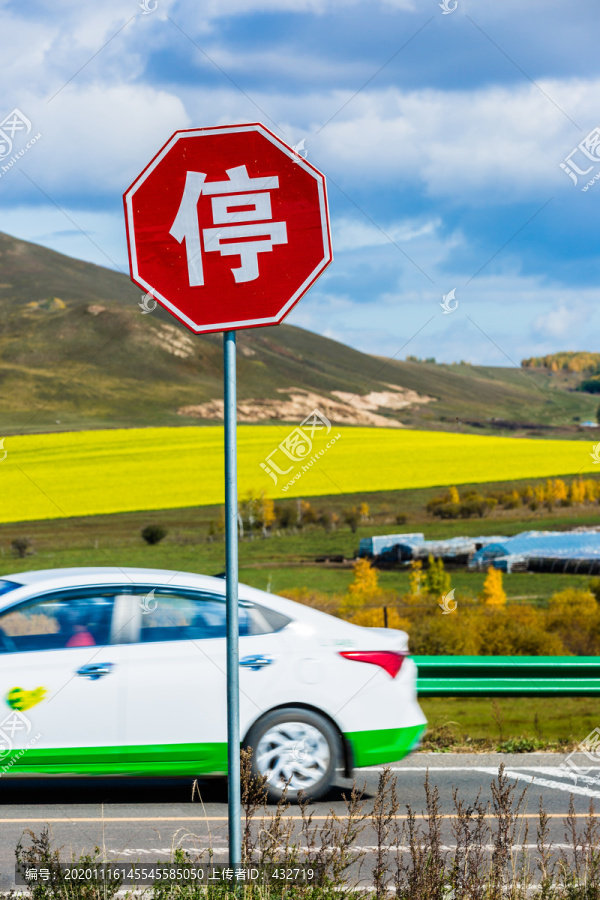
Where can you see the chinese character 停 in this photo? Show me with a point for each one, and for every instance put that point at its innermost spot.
(241, 222)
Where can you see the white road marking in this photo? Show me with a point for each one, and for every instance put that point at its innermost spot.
(514, 772)
(552, 770)
(358, 849)
(544, 782)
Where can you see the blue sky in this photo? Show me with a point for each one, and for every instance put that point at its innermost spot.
(441, 136)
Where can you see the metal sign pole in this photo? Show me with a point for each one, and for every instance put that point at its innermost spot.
(231, 567)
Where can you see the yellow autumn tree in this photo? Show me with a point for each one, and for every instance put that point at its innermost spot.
(366, 580)
(577, 491)
(454, 495)
(364, 588)
(561, 492)
(415, 577)
(493, 594)
(266, 512)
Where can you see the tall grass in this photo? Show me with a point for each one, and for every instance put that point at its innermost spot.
(484, 852)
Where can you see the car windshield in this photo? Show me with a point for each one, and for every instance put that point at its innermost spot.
(6, 586)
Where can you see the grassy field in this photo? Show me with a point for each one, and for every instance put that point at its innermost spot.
(525, 722)
(286, 561)
(51, 476)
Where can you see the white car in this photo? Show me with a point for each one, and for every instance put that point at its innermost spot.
(122, 671)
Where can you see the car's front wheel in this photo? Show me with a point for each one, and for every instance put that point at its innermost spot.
(297, 748)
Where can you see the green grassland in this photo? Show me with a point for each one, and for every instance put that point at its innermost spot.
(88, 473)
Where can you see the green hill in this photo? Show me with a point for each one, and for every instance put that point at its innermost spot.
(76, 352)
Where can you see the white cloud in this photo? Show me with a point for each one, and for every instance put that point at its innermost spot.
(96, 140)
(353, 234)
(563, 321)
(491, 143)
(500, 319)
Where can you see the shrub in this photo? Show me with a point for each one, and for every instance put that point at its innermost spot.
(511, 500)
(401, 519)
(590, 385)
(153, 534)
(447, 510)
(594, 587)
(313, 598)
(574, 616)
(375, 618)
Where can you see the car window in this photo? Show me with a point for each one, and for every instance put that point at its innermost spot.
(57, 622)
(175, 616)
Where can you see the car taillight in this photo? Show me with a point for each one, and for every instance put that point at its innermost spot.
(387, 659)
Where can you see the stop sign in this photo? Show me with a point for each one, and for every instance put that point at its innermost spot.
(227, 227)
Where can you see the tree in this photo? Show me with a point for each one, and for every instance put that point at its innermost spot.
(493, 594)
(366, 580)
(363, 589)
(454, 495)
(328, 520)
(256, 510)
(307, 515)
(21, 546)
(153, 534)
(285, 515)
(265, 512)
(351, 518)
(561, 492)
(415, 577)
(437, 580)
(577, 491)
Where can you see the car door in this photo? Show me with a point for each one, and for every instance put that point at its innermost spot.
(177, 685)
(62, 670)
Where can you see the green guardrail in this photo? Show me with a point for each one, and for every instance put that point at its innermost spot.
(508, 676)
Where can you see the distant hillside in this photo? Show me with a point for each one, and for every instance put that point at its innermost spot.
(570, 361)
(77, 352)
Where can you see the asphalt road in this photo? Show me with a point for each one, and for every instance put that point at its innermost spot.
(141, 820)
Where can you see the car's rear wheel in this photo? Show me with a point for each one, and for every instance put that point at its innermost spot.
(297, 748)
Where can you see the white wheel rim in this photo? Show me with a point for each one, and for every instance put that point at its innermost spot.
(293, 753)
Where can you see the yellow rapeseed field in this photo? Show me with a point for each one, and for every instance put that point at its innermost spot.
(85, 473)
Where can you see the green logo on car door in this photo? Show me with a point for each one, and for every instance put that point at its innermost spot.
(18, 698)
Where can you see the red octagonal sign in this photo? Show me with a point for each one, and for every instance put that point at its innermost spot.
(227, 227)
